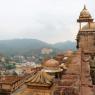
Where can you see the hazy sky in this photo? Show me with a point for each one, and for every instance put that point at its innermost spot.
(48, 20)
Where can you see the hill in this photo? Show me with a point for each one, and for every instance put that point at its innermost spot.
(65, 45)
(31, 46)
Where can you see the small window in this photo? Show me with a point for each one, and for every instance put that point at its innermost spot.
(94, 43)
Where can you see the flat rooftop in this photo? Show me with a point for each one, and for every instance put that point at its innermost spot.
(9, 79)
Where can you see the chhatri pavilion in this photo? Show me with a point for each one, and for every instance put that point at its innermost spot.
(40, 83)
(52, 67)
(86, 34)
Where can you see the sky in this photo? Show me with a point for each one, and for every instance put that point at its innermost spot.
(51, 21)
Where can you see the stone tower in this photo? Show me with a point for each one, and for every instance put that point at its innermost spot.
(86, 34)
(86, 39)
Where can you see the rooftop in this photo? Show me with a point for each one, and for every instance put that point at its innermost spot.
(9, 79)
(40, 79)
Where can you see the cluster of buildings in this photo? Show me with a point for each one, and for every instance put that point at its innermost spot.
(40, 78)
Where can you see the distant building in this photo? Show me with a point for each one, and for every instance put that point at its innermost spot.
(68, 53)
(60, 57)
(46, 51)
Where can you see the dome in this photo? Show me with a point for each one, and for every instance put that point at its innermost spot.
(86, 27)
(68, 53)
(51, 63)
(85, 14)
(51, 66)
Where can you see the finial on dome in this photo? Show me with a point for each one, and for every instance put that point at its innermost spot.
(85, 16)
(85, 7)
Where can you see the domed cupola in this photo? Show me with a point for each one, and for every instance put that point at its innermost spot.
(52, 67)
(51, 64)
(85, 16)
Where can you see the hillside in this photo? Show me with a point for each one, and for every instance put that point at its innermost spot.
(31, 46)
(65, 45)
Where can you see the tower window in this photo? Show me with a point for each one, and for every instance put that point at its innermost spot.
(94, 44)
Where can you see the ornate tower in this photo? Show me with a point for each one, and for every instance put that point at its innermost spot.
(86, 34)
